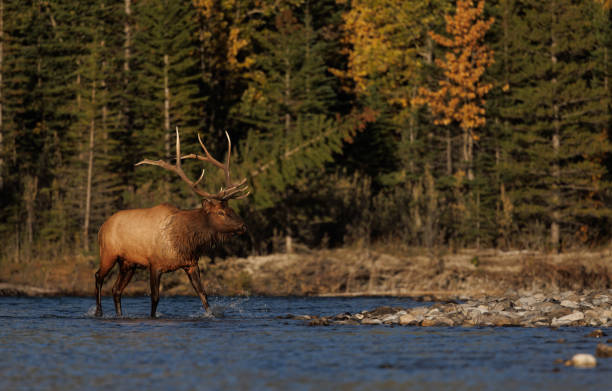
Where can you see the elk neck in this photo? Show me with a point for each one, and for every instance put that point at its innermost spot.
(191, 234)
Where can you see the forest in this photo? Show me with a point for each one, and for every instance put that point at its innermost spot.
(420, 123)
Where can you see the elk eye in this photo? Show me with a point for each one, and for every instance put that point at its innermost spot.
(221, 213)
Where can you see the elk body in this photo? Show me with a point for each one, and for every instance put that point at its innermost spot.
(164, 238)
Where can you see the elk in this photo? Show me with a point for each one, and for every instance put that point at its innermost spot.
(165, 238)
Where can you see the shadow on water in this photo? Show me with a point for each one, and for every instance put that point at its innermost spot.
(57, 343)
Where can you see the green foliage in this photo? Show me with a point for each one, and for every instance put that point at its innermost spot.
(318, 98)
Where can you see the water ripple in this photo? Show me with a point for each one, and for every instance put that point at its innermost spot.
(58, 343)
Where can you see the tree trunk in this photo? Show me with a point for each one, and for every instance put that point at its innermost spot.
(449, 154)
(556, 141)
(29, 198)
(166, 107)
(127, 46)
(166, 185)
(90, 162)
(287, 101)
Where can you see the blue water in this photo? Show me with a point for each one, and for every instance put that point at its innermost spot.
(56, 344)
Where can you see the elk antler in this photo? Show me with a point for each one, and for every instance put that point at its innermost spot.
(231, 191)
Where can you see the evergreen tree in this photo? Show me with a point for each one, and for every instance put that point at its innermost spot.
(166, 84)
(287, 108)
(558, 119)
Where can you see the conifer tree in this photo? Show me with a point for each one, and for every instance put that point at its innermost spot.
(558, 120)
(166, 84)
(292, 132)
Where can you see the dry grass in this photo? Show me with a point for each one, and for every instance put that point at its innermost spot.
(348, 271)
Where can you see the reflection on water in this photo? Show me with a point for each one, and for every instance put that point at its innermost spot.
(57, 344)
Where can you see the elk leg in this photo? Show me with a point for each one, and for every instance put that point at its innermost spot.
(99, 282)
(154, 279)
(125, 275)
(194, 277)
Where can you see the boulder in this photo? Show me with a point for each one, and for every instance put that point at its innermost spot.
(408, 320)
(582, 360)
(567, 319)
(569, 304)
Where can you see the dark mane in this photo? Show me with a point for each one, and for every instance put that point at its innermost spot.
(190, 235)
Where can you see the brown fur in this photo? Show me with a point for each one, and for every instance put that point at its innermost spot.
(162, 238)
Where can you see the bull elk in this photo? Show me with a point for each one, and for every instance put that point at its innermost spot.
(165, 238)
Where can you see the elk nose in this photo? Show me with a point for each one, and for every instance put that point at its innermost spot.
(243, 229)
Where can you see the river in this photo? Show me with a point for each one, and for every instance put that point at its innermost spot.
(56, 344)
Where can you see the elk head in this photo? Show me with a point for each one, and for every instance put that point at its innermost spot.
(215, 206)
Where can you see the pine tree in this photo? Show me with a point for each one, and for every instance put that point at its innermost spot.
(292, 132)
(166, 65)
(559, 120)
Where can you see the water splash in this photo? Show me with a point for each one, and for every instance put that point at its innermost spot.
(91, 312)
(237, 304)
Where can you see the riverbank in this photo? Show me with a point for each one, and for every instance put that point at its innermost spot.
(419, 273)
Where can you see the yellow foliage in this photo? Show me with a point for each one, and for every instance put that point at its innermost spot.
(223, 18)
(461, 91)
(384, 36)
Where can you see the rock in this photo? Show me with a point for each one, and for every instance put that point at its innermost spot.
(499, 320)
(391, 318)
(582, 360)
(408, 320)
(419, 311)
(603, 350)
(372, 321)
(547, 307)
(594, 317)
(501, 305)
(567, 319)
(596, 334)
(558, 312)
(428, 322)
(319, 322)
(444, 321)
(348, 321)
(358, 316)
(539, 297)
(438, 322)
(527, 301)
(343, 316)
(385, 310)
(569, 304)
